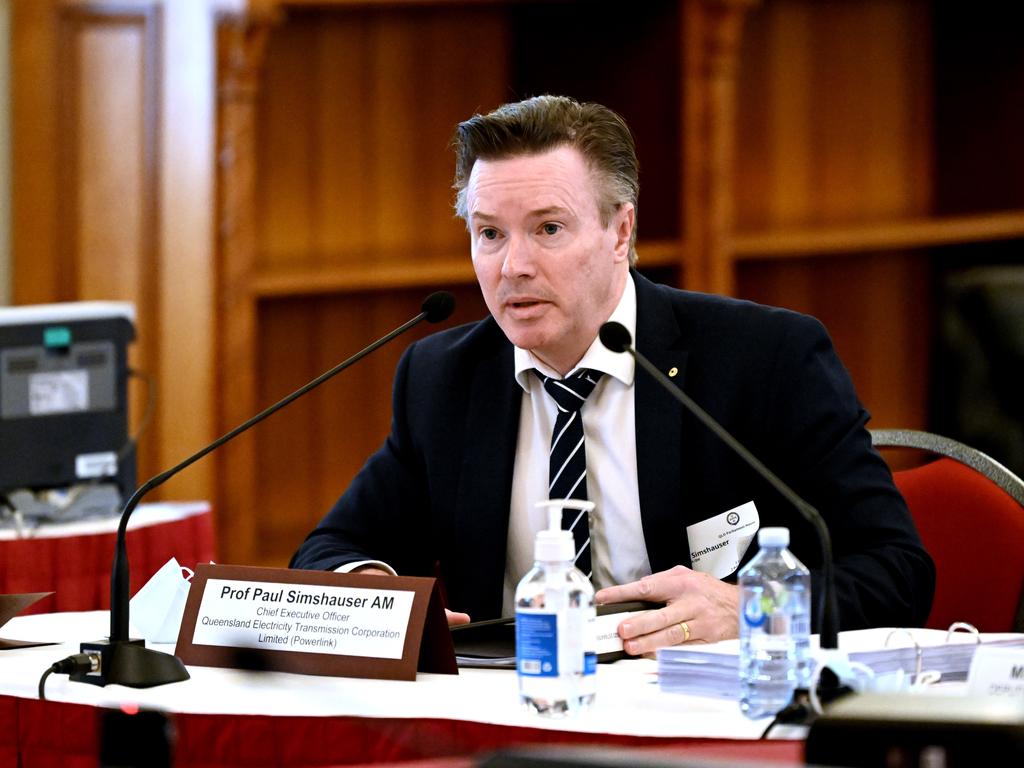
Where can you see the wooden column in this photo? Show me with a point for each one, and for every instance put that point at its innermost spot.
(711, 30)
(240, 43)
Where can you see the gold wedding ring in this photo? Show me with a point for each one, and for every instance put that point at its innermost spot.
(686, 631)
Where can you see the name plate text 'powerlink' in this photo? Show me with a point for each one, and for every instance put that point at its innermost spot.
(315, 622)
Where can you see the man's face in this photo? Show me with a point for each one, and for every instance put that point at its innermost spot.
(549, 271)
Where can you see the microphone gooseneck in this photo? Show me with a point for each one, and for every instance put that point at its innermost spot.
(618, 339)
(435, 308)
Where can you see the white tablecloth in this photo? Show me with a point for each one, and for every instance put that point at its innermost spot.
(628, 698)
(143, 516)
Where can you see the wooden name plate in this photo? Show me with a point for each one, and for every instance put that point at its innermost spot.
(315, 623)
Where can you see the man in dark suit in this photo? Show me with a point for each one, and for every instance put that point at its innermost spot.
(548, 189)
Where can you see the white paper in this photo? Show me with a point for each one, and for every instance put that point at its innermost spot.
(718, 544)
(346, 621)
(156, 610)
(997, 672)
(713, 669)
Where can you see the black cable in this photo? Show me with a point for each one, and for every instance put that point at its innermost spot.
(798, 711)
(147, 417)
(5, 504)
(78, 662)
(147, 414)
(42, 684)
(132, 440)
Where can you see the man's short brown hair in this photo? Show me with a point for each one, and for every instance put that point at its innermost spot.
(547, 122)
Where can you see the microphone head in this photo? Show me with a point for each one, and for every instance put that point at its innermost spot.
(438, 306)
(615, 336)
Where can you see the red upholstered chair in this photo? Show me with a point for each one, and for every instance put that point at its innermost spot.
(969, 511)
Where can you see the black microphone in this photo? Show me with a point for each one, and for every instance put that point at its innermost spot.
(616, 338)
(129, 662)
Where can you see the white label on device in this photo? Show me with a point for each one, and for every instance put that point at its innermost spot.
(89, 465)
(53, 392)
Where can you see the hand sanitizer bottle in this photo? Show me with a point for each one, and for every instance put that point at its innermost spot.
(556, 660)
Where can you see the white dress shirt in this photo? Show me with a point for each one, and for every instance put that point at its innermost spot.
(609, 426)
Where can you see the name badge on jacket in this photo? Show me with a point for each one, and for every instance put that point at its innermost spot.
(718, 544)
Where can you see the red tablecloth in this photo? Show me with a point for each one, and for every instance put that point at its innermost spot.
(77, 567)
(47, 734)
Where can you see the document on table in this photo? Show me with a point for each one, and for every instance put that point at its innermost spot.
(11, 606)
(713, 670)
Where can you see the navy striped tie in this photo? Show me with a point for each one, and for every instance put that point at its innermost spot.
(567, 474)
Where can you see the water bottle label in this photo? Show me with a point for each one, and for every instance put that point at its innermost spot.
(800, 625)
(759, 606)
(756, 610)
(537, 644)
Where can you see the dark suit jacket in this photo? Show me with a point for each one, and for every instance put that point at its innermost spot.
(438, 491)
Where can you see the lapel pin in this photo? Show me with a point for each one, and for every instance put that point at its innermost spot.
(673, 371)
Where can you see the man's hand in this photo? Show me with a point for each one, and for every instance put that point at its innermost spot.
(709, 608)
(454, 619)
(371, 570)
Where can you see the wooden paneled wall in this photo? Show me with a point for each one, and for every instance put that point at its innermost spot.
(834, 105)
(356, 111)
(834, 108)
(112, 133)
(86, 110)
(352, 227)
(268, 180)
(306, 458)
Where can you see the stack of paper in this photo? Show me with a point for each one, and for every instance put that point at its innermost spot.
(713, 670)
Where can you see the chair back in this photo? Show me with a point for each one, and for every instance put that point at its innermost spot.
(969, 513)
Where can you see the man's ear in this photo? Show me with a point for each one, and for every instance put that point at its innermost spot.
(623, 222)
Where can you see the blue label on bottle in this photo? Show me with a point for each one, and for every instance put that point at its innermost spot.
(755, 612)
(589, 663)
(537, 644)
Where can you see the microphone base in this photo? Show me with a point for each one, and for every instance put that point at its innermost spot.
(132, 664)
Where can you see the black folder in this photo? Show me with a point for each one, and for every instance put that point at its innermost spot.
(492, 643)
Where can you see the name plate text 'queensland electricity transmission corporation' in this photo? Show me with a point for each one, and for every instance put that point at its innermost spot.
(314, 623)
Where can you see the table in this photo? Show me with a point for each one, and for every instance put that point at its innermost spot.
(74, 559)
(229, 718)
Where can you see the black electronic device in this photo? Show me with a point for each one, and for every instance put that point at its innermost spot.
(907, 731)
(134, 738)
(63, 395)
(570, 756)
(491, 643)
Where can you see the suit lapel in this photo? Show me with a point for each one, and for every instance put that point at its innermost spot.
(659, 438)
(485, 480)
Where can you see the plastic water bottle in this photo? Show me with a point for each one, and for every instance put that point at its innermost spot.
(775, 600)
(556, 659)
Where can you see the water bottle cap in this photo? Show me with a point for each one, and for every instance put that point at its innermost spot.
(773, 537)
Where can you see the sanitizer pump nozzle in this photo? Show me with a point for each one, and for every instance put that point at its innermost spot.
(554, 543)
